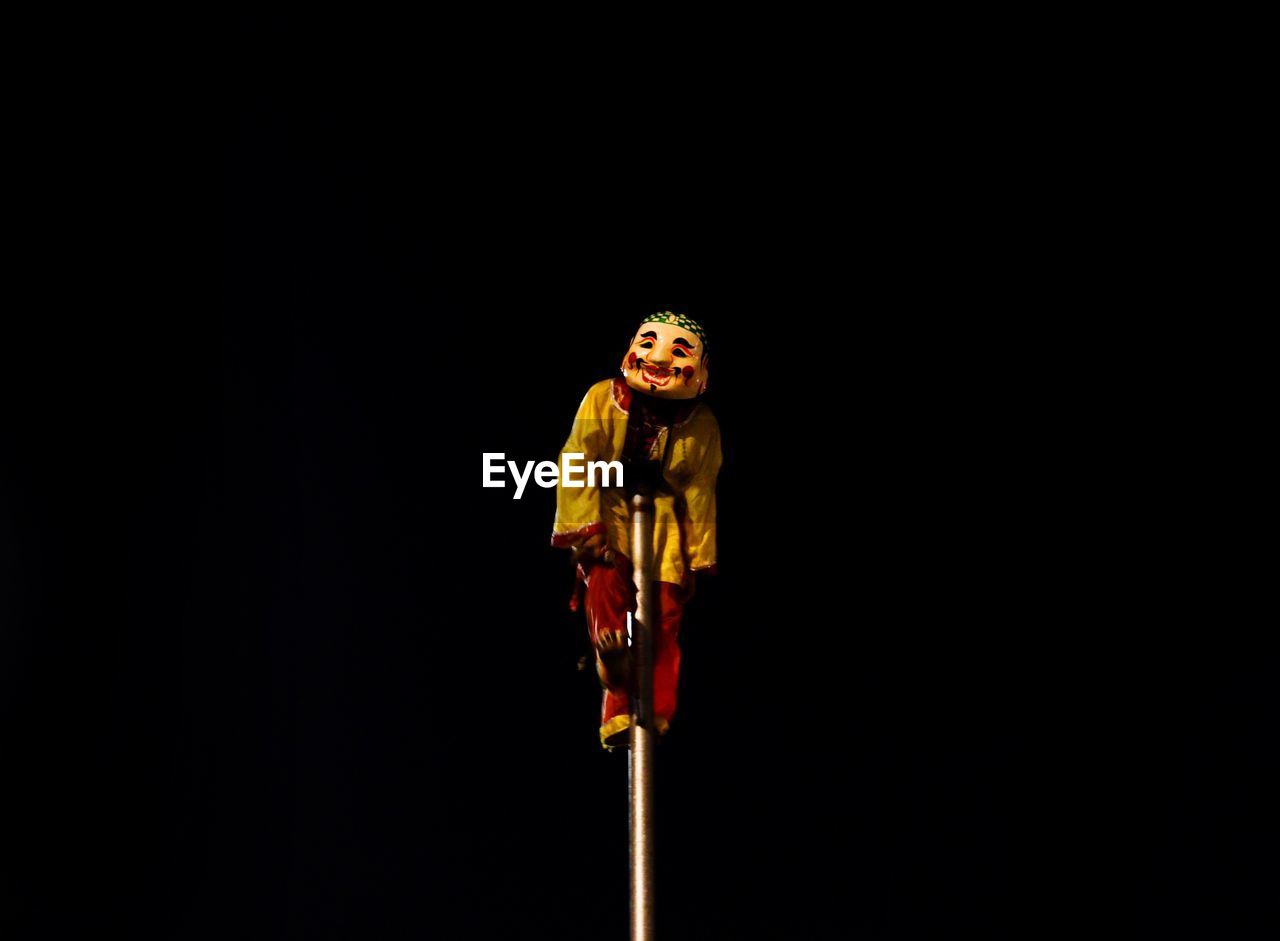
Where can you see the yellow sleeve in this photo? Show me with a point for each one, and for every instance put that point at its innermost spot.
(578, 510)
(700, 508)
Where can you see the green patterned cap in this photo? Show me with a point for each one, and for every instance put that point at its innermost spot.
(681, 321)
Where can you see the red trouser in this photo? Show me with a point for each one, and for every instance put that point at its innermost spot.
(610, 595)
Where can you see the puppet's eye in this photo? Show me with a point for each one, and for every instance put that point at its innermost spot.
(679, 352)
(646, 344)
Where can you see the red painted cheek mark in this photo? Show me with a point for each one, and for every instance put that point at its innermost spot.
(631, 360)
(687, 372)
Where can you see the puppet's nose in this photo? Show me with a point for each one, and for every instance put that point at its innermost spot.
(660, 356)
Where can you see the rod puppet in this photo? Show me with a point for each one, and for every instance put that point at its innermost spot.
(652, 420)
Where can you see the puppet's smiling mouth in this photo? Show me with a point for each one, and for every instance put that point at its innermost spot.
(656, 375)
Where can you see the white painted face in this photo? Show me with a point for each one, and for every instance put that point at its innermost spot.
(666, 361)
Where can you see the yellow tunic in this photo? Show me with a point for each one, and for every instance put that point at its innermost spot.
(684, 524)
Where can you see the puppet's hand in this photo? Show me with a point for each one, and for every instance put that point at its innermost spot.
(592, 549)
(612, 663)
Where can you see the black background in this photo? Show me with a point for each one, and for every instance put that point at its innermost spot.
(292, 672)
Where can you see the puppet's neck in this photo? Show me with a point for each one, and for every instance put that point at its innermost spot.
(662, 411)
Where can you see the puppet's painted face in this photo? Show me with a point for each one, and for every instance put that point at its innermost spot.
(666, 361)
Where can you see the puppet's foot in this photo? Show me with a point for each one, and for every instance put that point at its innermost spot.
(616, 733)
